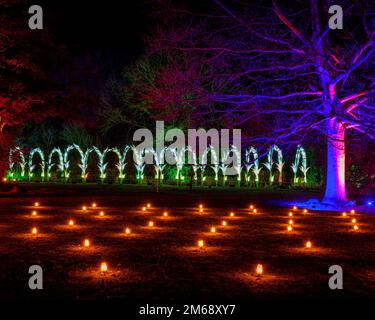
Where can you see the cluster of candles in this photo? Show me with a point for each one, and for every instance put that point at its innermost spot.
(290, 215)
(224, 223)
(308, 244)
(86, 242)
(34, 230)
(353, 221)
(290, 223)
(253, 209)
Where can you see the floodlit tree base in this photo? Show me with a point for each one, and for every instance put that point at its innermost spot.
(328, 205)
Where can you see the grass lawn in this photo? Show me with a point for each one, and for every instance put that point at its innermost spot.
(163, 262)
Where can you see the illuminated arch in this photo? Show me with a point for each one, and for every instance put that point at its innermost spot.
(101, 164)
(252, 163)
(22, 162)
(300, 157)
(42, 164)
(214, 159)
(50, 164)
(121, 164)
(279, 164)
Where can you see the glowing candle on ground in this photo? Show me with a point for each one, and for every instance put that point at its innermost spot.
(295, 208)
(224, 223)
(84, 208)
(290, 214)
(150, 224)
(101, 213)
(34, 213)
(232, 214)
(165, 214)
(354, 220)
(36, 204)
(94, 205)
(103, 267)
(344, 214)
(201, 206)
(308, 245)
(352, 211)
(86, 243)
(201, 210)
(200, 244)
(143, 208)
(255, 211)
(213, 229)
(259, 269)
(251, 207)
(148, 205)
(34, 230)
(355, 227)
(71, 222)
(304, 210)
(289, 228)
(127, 231)
(290, 221)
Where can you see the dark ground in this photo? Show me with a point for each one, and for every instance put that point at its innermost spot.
(163, 264)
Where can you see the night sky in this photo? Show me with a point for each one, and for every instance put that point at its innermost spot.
(114, 27)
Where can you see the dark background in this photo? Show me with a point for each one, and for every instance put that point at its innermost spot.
(114, 28)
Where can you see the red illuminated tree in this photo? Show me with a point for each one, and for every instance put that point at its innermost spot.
(23, 75)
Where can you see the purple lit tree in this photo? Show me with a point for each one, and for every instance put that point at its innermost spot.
(277, 71)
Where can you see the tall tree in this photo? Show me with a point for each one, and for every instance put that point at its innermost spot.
(278, 69)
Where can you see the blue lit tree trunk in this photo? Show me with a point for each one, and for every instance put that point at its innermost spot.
(335, 191)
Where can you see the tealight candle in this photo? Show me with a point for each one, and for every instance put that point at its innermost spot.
(344, 214)
(101, 213)
(255, 210)
(200, 206)
(251, 207)
(232, 214)
(352, 211)
(103, 267)
(84, 208)
(308, 245)
(36, 204)
(201, 210)
(94, 205)
(34, 213)
(86, 243)
(290, 221)
(143, 208)
(304, 210)
(294, 208)
(34, 230)
(224, 223)
(259, 269)
(71, 222)
(165, 214)
(289, 228)
(127, 231)
(355, 227)
(151, 224)
(354, 220)
(213, 229)
(290, 214)
(148, 205)
(200, 244)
